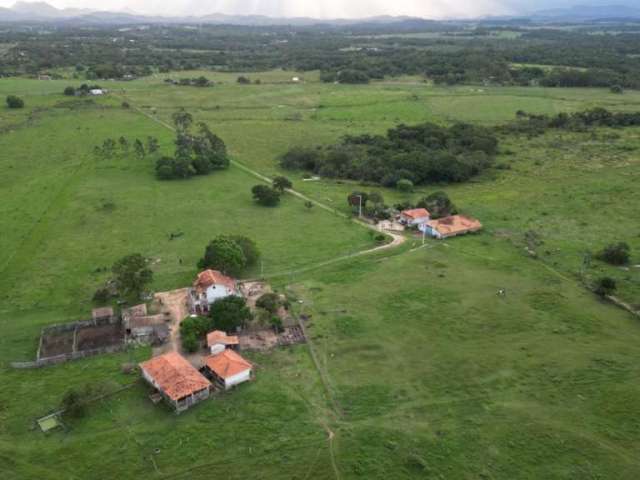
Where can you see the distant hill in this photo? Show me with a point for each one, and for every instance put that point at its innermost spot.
(586, 12)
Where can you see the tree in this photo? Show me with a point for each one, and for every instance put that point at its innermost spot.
(69, 91)
(615, 254)
(404, 185)
(131, 276)
(242, 80)
(269, 302)
(605, 286)
(193, 330)
(125, 105)
(124, 145)
(308, 205)
(438, 204)
(249, 249)
(73, 404)
(230, 313)
(138, 148)
(223, 254)
(282, 183)
(182, 120)
(14, 102)
(152, 145)
(265, 195)
(376, 198)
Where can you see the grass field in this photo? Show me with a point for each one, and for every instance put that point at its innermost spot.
(422, 370)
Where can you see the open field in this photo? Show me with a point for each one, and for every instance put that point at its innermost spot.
(422, 370)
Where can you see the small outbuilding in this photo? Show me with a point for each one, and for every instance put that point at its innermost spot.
(228, 369)
(96, 91)
(179, 383)
(450, 226)
(415, 216)
(218, 341)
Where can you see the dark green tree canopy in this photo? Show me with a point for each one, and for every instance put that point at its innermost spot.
(223, 254)
(230, 313)
(265, 195)
(131, 276)
(14, 102)
(438, 204)
(282, 183)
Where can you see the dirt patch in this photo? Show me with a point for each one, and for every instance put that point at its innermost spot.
(90, 338)
(56, 344)
(252, 291)
(267, 339)
(174, 305)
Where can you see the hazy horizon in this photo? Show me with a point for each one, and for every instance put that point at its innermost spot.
(324, 9)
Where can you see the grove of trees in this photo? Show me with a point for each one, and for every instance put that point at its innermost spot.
(230, 254)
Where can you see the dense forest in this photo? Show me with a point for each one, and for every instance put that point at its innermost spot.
(446, 53)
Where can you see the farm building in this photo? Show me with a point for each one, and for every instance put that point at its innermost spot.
(218, 341)
(450, 226)
(96, 91)
(228, 369)
(415, 216)
(103, 313)
(176, 380)
(210, 286)
(143, 328)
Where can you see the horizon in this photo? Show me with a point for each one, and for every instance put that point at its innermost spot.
(325, 9)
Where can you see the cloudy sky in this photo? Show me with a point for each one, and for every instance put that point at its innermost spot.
(329, 8)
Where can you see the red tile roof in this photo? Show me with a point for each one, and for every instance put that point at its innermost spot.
(213, 277)
(416, 213)
(455, 225)
(176, 377)
(227, 364)
(218, 337)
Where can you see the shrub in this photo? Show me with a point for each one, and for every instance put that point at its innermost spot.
(101, 296)
(73, 404)
(605, 286)
(14, 102)
(615, 254)
(404, 185)
(265, 195)
(270, 302)
(69, 91)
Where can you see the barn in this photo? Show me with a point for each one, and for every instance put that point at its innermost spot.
(450, 226)
(228, 369)
(179, 383)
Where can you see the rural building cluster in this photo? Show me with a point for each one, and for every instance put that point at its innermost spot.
(441, 228)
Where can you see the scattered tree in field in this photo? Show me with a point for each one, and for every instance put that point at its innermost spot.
(125, 105)
(282, 183)
(404, 185)
(265, 195)
(223, 254)
(152, 145)
(124, 145)
(230, 313)
(605, 286)
(308, 205)
(69, 91)
(182, 120)
(438, 204)
(615, 254)
(14, 102)
(73, 404)
(138, 149)
(242, 80)
(131, 276)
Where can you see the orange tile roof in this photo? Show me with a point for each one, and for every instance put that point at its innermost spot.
(416, 213)
(176, 377)
(227, 364)
(455, 225)
(213, 277)
(217, 337)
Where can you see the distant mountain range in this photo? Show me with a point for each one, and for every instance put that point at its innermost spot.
(43, 12)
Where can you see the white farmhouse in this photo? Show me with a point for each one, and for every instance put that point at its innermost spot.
(228, 369)
(211, 285)
(416, 216)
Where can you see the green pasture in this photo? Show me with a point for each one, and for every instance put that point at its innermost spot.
(423, 370)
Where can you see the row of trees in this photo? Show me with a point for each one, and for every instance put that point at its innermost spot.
(122, 147)
(269, 196)
(407, 155)
(195, 154)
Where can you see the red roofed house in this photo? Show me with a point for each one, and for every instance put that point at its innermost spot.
(218, 341)
(176, 379)
(228, 369)
(416, 216)
(211, 285)
(451, 226)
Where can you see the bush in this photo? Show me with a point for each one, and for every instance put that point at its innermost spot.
(265, 195)
(404, 185)
(270, 302)
(69, 91)
(73, 404)
(14, 102)
(242, 80)
(605, 286)
(615, 254)
(230, 313)
(101, 296)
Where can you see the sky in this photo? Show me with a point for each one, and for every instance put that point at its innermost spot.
(436, 9)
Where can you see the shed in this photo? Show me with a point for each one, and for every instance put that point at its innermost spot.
(228, 369)
(218, 341)
(102, 313)
(176, 380)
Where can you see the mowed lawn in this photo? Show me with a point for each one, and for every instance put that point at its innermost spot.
(429, 373)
